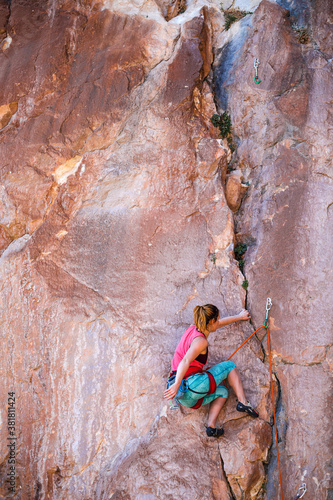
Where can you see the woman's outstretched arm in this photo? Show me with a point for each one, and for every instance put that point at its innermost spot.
(244, 315)
(196, 347)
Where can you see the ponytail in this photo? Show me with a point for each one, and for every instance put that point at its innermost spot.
(203, 315)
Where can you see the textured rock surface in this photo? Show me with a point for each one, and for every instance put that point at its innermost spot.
(235, 189)
(284, 151)
(115, 224)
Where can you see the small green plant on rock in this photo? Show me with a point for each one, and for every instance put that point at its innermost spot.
(231, 145)
(213, 258)
(223, 122)
(240, 249)
(233, 15)
(245, 284)
(302, 33)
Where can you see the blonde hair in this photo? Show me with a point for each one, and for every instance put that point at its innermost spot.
(203, 315)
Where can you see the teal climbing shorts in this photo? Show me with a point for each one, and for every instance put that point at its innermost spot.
(198, 385)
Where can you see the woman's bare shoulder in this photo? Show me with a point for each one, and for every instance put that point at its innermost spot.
(199, 341)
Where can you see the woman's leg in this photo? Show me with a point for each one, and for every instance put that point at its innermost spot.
(214, 410)
(236, 383)
(226, 370)
(243, 405)
(216, 400)
(198, 385)
(221, 370)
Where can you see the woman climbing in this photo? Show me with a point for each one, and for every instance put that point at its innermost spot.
(190, 385)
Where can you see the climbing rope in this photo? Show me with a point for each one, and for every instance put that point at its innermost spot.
(302, 488)
(265, 325)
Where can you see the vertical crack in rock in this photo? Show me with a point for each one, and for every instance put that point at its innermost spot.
(7, 23)
(231, 493)
(272, 485)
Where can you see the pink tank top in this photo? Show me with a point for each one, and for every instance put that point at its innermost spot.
(182, 348)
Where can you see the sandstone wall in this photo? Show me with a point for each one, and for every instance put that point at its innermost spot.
(120, 209)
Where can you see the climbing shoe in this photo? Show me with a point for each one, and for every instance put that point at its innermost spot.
(213, 432)
(248, 408)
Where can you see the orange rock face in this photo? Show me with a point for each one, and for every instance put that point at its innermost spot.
(117, 217)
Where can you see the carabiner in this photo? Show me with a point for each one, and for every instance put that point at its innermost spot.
(301, 491)
(268, 304)
(255, 65)
(268, 307)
